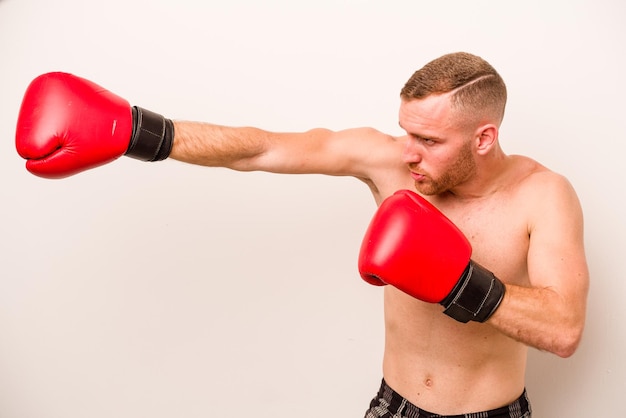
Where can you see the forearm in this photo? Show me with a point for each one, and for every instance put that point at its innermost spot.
(540, 318)
(218, 146)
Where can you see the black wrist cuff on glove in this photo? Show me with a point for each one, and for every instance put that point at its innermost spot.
(152, 138)
(476, 296)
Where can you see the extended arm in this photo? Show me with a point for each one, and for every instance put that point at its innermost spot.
(319, 151)
(68, 124)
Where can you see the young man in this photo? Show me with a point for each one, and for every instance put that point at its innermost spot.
(523, 222)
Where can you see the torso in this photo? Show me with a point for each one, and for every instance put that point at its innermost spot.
(435, 362)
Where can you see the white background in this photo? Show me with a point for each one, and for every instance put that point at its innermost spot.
(169, 290)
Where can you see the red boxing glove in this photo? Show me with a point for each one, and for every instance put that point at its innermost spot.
(68, 124)
(411, 245)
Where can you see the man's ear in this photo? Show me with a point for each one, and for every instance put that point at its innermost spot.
(486, 138)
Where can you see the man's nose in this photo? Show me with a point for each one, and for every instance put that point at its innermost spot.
(412, 153)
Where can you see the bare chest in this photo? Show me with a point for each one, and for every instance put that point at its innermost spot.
(498, 232)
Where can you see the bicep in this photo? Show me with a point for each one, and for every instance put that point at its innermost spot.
(556, 256)
(354, 152)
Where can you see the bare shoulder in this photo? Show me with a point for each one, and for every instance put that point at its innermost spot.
(547, 194)
(366, 136)
(374, 157)
(378, 161)
(537, 179)
(366, 148)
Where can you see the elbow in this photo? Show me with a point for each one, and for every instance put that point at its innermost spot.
(566, 350)
(567, 342)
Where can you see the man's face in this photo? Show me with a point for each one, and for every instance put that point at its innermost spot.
(438, 151)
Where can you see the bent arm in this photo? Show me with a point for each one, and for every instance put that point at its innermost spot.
(550, 314)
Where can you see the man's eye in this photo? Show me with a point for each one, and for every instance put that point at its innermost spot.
(427, 141)
(419, 138)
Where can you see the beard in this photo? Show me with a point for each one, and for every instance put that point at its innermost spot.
(463, 167)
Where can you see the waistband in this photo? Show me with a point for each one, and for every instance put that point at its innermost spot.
(519, 408)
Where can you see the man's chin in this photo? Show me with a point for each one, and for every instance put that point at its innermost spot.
(425, 189)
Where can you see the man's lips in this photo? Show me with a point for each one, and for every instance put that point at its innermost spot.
(417, 176)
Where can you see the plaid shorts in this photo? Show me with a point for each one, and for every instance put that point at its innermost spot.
(389, 404)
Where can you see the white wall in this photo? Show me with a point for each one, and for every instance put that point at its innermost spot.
(162, 290)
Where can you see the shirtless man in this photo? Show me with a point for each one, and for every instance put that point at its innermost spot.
(524, 222)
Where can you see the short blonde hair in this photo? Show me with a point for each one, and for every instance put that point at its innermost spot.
(476, 88)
